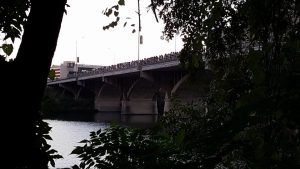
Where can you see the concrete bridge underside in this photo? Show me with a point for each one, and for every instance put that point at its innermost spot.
(134, 91)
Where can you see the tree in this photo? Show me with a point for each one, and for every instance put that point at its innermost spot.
(51, 74)
(251, 112)
(252, 47)
(21, 96)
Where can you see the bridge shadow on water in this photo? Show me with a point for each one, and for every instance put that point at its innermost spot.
(130, 120)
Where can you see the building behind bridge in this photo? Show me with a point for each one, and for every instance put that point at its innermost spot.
(69, 68)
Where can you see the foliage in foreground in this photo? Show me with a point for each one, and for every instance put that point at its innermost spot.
(42, 135)
(191, 138)
(122, 147)
(250, 115)
(226, 140)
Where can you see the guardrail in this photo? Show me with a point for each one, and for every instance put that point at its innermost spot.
(126, 65)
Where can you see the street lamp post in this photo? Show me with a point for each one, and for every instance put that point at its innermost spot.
(76, 63)
(77, 57)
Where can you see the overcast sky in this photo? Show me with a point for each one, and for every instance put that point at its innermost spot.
(83, 24)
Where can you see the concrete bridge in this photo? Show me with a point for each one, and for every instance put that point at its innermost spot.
(137, 87)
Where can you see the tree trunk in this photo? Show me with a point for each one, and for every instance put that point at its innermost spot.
(23, 83)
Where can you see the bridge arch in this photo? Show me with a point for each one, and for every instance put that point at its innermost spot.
(55, 91)
(141, 97)
(108, 98)
(84, 93)
(179, 83)
(70, 90)
(189, 89)
(131, 87)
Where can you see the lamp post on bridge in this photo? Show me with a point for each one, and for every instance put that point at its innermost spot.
(77, 57)
(76, 63)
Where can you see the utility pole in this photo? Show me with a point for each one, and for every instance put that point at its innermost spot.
(139, 36)
(175, 43)
(175, 38)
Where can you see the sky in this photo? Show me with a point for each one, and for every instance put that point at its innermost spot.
(83, 26)
(82, 34)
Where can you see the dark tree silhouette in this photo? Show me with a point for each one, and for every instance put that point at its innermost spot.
(23, 81)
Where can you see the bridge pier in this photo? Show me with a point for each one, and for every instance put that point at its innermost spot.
(139, 106)
(108, 105)
(167, 101)
(123, 106)
(108, 98)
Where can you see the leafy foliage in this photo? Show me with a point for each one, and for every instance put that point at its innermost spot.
(115, 10)
(7, 48)
(51, 74)
(13, 16)
(218, 139)
(252, 48)
(250, 116)
(121, 147)
(42, 135)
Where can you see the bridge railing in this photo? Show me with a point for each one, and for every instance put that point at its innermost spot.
(128, 65)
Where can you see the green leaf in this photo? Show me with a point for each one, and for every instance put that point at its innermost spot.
(52, 162)
(77, 150)
(51, 76)
(116, 7)
(82, 165)
(116, 13)
(98, 132)
(91, 164)
(92, 134)
(108, 12)
(52, 151)
(84, 141)
(121, 2)
(12, 39)
(47, 137)
(57, 156)
(75, 167)
(7, 49)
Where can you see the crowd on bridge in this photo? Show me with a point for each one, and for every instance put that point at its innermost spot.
(127, 65)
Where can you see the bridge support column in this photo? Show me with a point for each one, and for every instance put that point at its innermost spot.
(139, 106)
(123, 106)
(107, 105)
(167, 105)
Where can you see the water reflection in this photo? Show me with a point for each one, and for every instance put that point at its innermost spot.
(66, 133)
(135, 120)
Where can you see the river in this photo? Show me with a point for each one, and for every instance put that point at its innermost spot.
(66, 134)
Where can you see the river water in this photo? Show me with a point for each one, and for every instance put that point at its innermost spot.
(66, 134)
